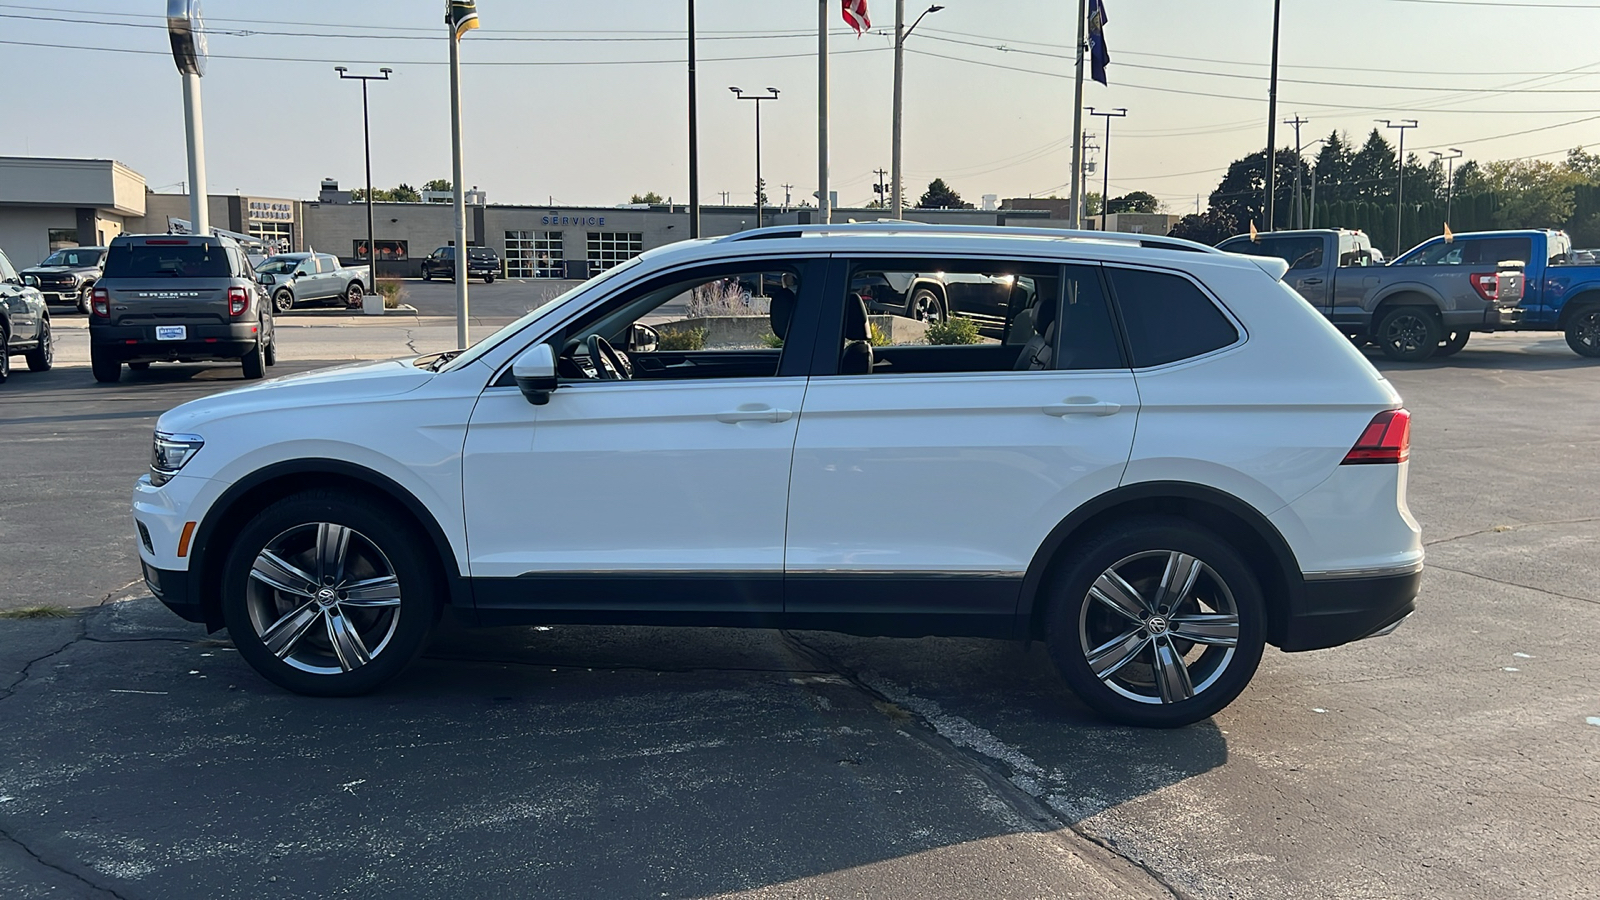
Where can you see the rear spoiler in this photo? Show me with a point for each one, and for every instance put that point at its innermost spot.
(1271, 265)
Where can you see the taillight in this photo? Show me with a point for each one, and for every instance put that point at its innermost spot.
(1487, 284)
(238, 301)
(100, 303)
(1387, 439)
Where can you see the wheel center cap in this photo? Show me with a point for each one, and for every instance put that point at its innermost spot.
(327, 597)
(1156, 625)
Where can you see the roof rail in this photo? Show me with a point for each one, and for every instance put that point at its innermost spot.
(891, 226)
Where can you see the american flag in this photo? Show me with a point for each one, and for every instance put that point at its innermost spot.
(855, 15)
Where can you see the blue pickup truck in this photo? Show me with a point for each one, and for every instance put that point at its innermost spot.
(1560, 292)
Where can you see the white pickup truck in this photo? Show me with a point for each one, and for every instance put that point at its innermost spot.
(299, 279)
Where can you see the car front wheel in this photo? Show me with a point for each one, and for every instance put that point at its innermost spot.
(42, 357)
(283, 301)
(329, 594)
(1583, 332)
(1409, 334)
(5, 355)
(1156, 622)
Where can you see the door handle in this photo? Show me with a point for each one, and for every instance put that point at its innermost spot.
(757, 414)
(1083, 406)
(1311, 282)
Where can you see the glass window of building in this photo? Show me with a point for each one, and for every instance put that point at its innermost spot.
(278, 236)
(534, 254)
(607, 248)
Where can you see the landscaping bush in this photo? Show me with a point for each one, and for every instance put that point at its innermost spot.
(393, 291)
(682, 339)
(772, 341)
(725, 298)
(954, 330)
(876, 337)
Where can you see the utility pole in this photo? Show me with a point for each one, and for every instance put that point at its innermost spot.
(900, 34)
(1299, 164)
(694, 137)
(824, 201)
(1076, 219)
(879, 188)
(1272, 122)
(1400, 180)
(786, 189)
(366, 136)
(1082, 190)
(1450, 176)
(724, 198)
(1105, 166)
(761, 187)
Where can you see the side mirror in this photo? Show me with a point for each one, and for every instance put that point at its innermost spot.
(30, 281)
(535, 372)
(264, 278)
(643, 339)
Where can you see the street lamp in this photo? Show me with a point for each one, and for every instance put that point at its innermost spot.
(1105, 165)
(188, 34)
(1450, 176)
(772, 94)
(1400, 180)
(900, 35)
(366, 136)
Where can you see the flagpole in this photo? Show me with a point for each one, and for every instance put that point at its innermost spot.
(460, 199)
(824, 206)
(1075, 220)
(694, 137)
(1272, 123)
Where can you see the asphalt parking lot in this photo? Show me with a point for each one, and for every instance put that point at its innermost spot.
(1459, 757)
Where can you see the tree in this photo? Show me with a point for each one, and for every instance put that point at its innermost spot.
(1333, 169)
(941, 196)
(1584, 163)
(1241, 196)
(379, 195)
(440, 185)
(651, 198)
(1533, 193)
(1373, 170)
(1210, 227)
(405, 193)
(1134, 202)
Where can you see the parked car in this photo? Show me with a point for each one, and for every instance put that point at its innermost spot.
(1165, 468)
(69, 274)
(178, 298)
(1562, 291)
(935, 296)
(482, 262)
(1411, 314)
(24, 321)
(299, 279)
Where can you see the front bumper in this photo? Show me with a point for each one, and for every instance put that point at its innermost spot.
(61, 294)
(1328, 612)
(172, 589)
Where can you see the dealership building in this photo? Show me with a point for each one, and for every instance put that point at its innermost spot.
(46, 204)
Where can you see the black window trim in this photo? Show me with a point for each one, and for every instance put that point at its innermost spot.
(1122, 328)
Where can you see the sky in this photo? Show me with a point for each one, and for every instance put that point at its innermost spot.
(584, 104)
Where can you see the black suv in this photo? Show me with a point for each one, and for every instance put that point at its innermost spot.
(69, 274)
(178, 298)
(482, 262)
(24, 322)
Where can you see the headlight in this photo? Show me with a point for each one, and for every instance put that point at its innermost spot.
(171, 452)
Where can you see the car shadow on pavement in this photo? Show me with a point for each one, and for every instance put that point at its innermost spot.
(1543, 356)
(565, 761)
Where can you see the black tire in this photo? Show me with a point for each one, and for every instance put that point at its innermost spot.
(488, 279)
(255, 362)
(381, 546)
(427, 274)
(42, 357)
(1139, 649)
(283, 301)
(1452, 343)
(270, 355)
(83, 298)
(1409, 333)
(1583, 332)
(106, 369)
(139, 366)
(925, 306)
(353, 294)
(5, 355)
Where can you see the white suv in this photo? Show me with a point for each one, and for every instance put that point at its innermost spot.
(1151, 455)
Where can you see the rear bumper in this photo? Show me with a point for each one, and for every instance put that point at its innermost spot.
(135, 343)
(1333, 611)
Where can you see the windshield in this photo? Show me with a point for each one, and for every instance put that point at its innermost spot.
(494, 340)
(277, 265)
(73, 256)
(170, 259)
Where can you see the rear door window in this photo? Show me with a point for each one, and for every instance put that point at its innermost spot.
(1167, 317)
(167, 261)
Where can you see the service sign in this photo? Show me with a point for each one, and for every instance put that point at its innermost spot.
(188, 34)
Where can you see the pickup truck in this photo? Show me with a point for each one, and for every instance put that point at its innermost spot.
(68, 275)
(24, 322)
(1562, 291)
(482, 262)
(1414, 308)
(298, 279)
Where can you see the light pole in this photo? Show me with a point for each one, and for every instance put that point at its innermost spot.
(1450, 176)
(1105, 165)
(694, 137)
(366, 139)
(1272, 121)
(188, 35)
(900, 34)
(1400, 178)
(772, 94)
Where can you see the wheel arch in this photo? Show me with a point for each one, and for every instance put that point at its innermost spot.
(223, 521)
(1406, 295)
(1588, 298)
(1270, 558)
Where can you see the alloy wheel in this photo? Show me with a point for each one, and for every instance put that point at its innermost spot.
(323, 598)
(1160, 627)
(1406, 333)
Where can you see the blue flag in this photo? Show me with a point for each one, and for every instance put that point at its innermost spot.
(1098, 55)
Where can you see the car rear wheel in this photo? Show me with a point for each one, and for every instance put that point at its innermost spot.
(1583, 332)
(255, 362)
(106, 370)
(283, 301)
(1156, 622)
(488, 279)
(1452, 345)
(42, 357)
(83, 298)
(1409, 334)
(353, 295)
(925, 306)
(329, 594)
(5, 355)
(270, 356)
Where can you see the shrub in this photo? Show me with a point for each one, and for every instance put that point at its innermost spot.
(876, 337)
(393, 291)
(954, 330)
(772, 341)
(682, 339)
(725, 298)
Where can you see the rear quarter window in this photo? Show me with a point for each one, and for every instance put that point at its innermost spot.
(1167, 318)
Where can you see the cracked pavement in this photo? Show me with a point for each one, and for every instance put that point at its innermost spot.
(1456, 758)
